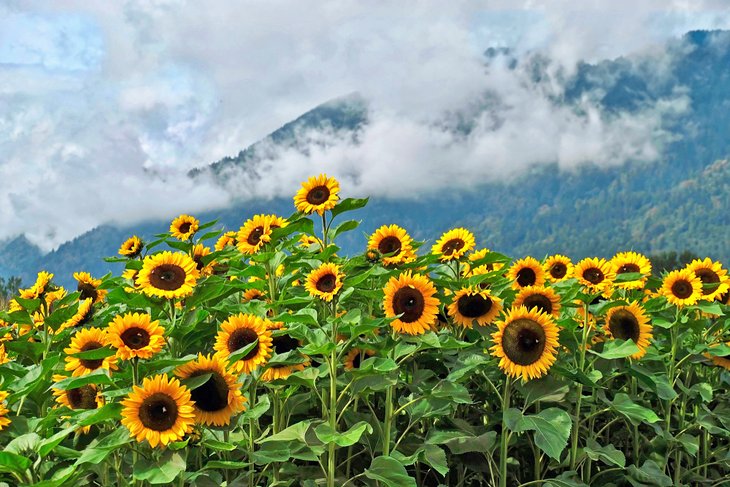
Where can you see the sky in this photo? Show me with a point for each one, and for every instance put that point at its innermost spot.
(106, 105)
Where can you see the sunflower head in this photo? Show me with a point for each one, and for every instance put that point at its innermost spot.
(630, 263)
(354, 358)
(135, 335)
(82, 316)
(412, 301)
(629, 323)
(242, 330)
(89, 287)
(254, 234)
(131, 247)
(325, 281)
(526, 272)
(306, 241)
(282, 343)
(199, 252)
(543, 298)
(85, 340)
(558, 267)
(714, 278)
(526, 343)
(682, 288)
(596, 275)
(454, 244)
(184, 227)
(168, 275)
(4, 421)
(80, 398)
(472, 304)
(392, 243)
(317, 194)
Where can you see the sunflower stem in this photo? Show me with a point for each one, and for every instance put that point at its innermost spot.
(332, 408)
(348, 464)
(670, 374)
(251, 434)
(324, 232)
(135, 371)
(503, 448)
(579, 399)
(635, 432)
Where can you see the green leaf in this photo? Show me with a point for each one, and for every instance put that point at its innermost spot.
(163, 471)
(196, 381)
(551, 429)
(242, 352)
(259, 409)
(648, 474)
(390, 472)
(544, 389)
(343, 227)
(48, 444)
(712, 308)
(99, 449)
(483, 443)
(614, 349)
(607, 454)
(98, 376)
(327, 435)
(628, 276)
(435, 457)
(95, 354)
(296, 432)
(219, 445)
(13, 463)
(704, 390)
(226, 465)
(108, 411)
(348, 204)
(635, 413)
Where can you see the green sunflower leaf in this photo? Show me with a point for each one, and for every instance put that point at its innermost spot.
(390, 472)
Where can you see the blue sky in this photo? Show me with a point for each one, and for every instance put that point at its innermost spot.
(104, 106)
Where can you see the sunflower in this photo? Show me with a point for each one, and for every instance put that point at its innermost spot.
(168, 275)
(131, 247)
(160, 411)
(682, 287)
(595, 274)
(629, 323)
(306, 241)
(89, 287)
(469, 304)
(135, 335)
(325, 281)
(318, 193)
(38, 288)
(392, 243)
(713, 276)
(239, 331)
(228, 239)
(253, 294)
(470, 271)
(4, 359)
(543, 298)
(526, 272)
(526, 343)
(631, 262)
(410, 299)
(183, 227)
(282, 343)
(354, 358)
(453, 244)
(85, 340)
(254, 233)
(720, 361)
(79, 398)
(275, 221)
(54, 296)
(82, 315)
(4, 421)
(219, 397)
(200, 251)
(558, 267)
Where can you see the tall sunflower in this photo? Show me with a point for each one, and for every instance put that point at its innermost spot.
(413, 297)
(39, 287)
(131, 247)
(355, 356)
(282, 343)
(219, 397)
(595, 274)
(393, 243)
(630, 323)
(318, 193)
(454, 244)
(89, 287)
(558, 267)
(474, 304)
(631, 262)
(526, 343)
(526, 272)
(135, 335)
(82, 316)
(228, 239)
(184, 227)
(714, 278)
(253, 234)
(682, 288)
(161, 411)
(325, 281)
(543, 298)
(168, 275)
(4, 420)
(241, 330)
(199, 252)
(85, 340)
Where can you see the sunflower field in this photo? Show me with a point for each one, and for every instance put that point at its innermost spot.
(265, 357)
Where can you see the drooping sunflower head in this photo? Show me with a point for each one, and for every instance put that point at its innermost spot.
(253, 294)
(184, 227)
(318, 193)
(282, 343)
(596, 275)
(228, 239)
(217, 399)
(161, 411)
(199, 252)
(354, 358)
(131, 247)
(682, 288)
(4, 420)
(392, 243)
(543, 298)
(474, 304)
(254, 234)
(526, 272)
(82, 316)
(135, 335)
(89, 287)
(168, 275)
(40, 287)
(85, 340)
(412, 301)
(526, 343)
(714, 278)
(630, 263)
(239, 331)
(325, 281)
(558, 267)
(629, 323)
(454, 244)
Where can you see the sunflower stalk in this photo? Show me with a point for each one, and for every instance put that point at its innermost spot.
(576, 417)
(504, 444)
(332, 410)
(635, 427)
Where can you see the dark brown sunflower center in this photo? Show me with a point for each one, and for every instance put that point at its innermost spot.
(710, 280)
(356, 360)
(185, 227)
(168, 277)
(682, 289)
(87, 291)
(135, 337)
(284, 344)
(624, 325)
(474, 306)
(526, 277)
(89, 363)
(628, 269)
(211, 396)
(326, 283)
(558, 270)
(594, 275)
(158, 412)
(410, 303)
(539, 301)
(389, 245)
(318, 195)
(523, 341)
(724, 297)
(452, 246)
(255, 236)
(198, 259)
(83, 397)
(242, 337)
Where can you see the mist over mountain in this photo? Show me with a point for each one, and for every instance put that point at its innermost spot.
(659, 123)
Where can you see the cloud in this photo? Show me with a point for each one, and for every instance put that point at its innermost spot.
(105, 106)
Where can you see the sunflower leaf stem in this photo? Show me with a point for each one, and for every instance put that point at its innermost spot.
(576, 417)
(277, 428)
(504, 443)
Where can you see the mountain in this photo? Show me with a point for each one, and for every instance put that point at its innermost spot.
(678, 202)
